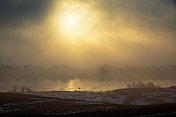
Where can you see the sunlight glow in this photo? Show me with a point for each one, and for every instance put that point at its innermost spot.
(70, 86)
(71, 22)
(75, 19)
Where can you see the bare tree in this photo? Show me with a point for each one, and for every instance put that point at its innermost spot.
(129, 86)
(140, 84)
(14, 88)
(28, 89)
(23, 89)
(150, 85)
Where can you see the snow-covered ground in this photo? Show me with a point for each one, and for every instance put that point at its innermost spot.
(18, 106)
(122, 96)
(67, 102)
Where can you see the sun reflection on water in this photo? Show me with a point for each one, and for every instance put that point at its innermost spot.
(70, 85)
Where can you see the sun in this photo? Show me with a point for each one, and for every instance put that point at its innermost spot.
(75, 19)
(71, 22)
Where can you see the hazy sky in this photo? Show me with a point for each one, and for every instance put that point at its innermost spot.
(88, 32)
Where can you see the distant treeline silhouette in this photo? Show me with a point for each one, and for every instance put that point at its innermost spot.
(140, 84)
(22, 89)
(102, 73)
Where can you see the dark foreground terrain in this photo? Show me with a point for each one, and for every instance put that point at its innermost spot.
(16, 104)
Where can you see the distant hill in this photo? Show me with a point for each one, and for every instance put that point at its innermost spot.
(131, 96)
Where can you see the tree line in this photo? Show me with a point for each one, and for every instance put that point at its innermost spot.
(140, 84)
(22, 89)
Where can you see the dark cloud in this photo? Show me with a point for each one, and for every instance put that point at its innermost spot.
(19, 12)
(157, 14)
(15, 16)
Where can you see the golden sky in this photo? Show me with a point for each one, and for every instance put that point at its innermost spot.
(88, 32)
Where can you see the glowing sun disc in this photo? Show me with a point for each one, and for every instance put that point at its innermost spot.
(71, 22)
